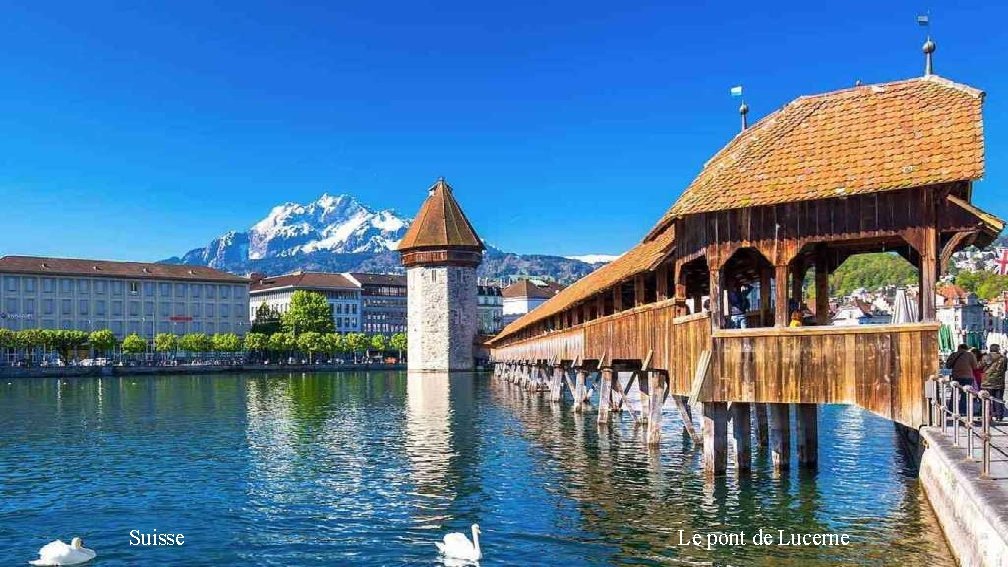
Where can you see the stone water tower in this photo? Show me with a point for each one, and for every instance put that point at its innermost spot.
(441, 252)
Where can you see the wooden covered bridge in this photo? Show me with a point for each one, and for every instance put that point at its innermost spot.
(875, 168)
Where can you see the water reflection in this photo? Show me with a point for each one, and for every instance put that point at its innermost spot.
(372, 468)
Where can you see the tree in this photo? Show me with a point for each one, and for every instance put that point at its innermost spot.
(379, 343)
(196, 342)
(399, 342)
(309, 311)
(310, 342)
(65, 341)
(266, 320)
(165, 342)
(282, 342)
(256, 342)
(102, 341)
(8, 338)
(134, 344)
(226, 342)
(355, 343)
(986, 285)
(332, 343)
(872, 271)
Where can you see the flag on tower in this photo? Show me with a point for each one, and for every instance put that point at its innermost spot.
(1001, 264)
(736, 91)
(923, 20)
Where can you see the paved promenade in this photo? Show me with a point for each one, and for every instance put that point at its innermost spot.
(972, 510)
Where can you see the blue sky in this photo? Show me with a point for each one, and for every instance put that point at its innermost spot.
(565, 127)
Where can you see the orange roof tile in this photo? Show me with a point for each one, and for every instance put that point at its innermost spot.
(440, 223)
(865, 139)
(644, 256)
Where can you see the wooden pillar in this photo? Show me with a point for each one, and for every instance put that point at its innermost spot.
(617, 298)
(762, 431)
(780, 435)
(600, 304)
(638, 290)
(580, 393)
(715, 437)
(682, 405)
(807, 430)
(662, 282)
(644, 392)
(765, 304)
(822, 314)
(556, 389)
(606, 380)
(928, 273)
(658, 385)
(781, 314)
(742, 435)
(716, 299)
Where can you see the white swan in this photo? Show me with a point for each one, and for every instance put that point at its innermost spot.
(59, 553)
(458, 546)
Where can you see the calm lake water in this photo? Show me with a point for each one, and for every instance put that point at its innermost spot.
(372, 468)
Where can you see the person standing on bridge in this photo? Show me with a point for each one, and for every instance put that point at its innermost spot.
(994, 380)
(962, 363)
(738, 305)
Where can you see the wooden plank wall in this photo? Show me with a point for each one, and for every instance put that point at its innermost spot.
(692, 336)
(558, 345)
(881, 368)
(628, 336)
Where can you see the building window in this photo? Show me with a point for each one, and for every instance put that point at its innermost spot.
(48, 285)
(134, 308)
(117, 308)
(211, 291)
(148, 309)
(83, 306)
(66, 286)
(209, 310)
(148, 288)
(83, 286)
(66, 307)
(48, 307)
(134, 288)
(11, 283)
(225, 292)
(100, 307)
(12, 305)
(29, 285)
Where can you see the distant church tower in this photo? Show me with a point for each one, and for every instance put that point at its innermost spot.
(441, 251)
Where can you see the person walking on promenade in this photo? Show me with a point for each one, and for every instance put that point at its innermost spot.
(978, 371)
(994, 380)
(962, 363)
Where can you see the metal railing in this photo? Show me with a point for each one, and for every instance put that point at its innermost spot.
(945, 398)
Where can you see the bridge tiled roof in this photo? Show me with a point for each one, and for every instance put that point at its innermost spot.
(644, 256)
(865, 139)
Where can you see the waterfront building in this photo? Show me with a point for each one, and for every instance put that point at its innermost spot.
(860, 312)
(524, 295)
(383, 302)
(342, 294)
(124, 297)
(490, 307)
(962, 312)
(441, 252)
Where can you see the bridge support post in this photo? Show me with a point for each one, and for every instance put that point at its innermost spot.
(659, 385)
(715, 438)
(762, 436)
(580, 391)
(780, 435)
(606, 380)
(643, 391)
(742, 436)
(806, 417)
(556, 388)
(687, 418)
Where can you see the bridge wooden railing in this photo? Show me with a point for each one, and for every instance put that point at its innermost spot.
(882, 368)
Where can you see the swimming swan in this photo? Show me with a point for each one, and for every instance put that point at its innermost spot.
(59, 553)
(458, 546)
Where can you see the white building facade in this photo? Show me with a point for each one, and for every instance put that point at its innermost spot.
(124, 297)
(342, 294)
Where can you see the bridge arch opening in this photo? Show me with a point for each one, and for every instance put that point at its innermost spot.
(747, 280)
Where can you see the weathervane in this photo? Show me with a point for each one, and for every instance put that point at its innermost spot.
(744, 109)
(924, 20)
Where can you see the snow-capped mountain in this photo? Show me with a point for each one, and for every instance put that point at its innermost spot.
(337, 224)
(340, 234)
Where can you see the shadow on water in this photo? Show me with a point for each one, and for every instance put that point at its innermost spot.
(372, 468)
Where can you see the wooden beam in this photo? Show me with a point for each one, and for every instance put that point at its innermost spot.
(742, 435)
(807, 430)
(638, 290)
(780, 435)
(687, 418)
(662, 282)
(765, 304)
(715, 438)
(781, 314)
(617, 297)
(659, 385)
(822, 288)
(762, 431)
(605, 395)
(716, 301)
